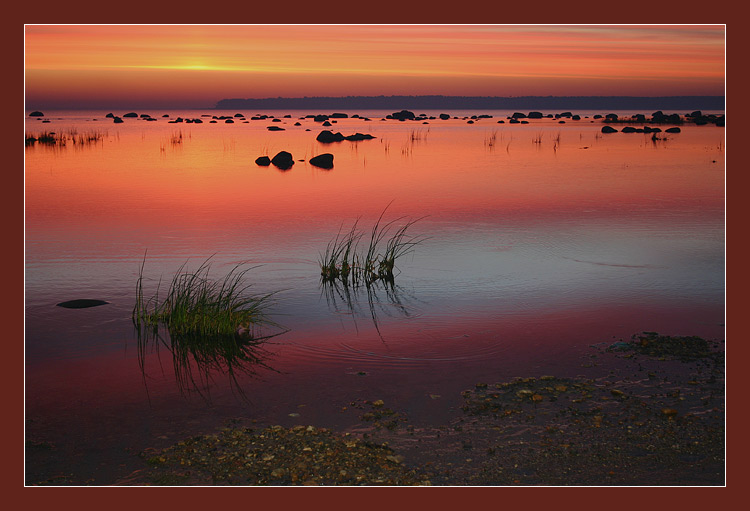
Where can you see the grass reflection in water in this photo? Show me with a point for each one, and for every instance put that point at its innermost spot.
(209, 326)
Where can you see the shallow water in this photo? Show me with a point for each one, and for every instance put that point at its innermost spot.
(542, 239)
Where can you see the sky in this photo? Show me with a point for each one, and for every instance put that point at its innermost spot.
(194, 66)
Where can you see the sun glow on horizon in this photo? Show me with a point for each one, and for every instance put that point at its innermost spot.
(209, 62)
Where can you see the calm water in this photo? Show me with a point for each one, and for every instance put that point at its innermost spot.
(543, 238)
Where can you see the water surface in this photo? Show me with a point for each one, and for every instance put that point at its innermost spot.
(541, 239)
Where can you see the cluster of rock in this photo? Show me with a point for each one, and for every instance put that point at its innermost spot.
(284, 160)
(328, 137)
(696, 117)
(645, 129)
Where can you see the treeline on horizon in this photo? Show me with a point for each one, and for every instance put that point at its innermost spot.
(479, 103)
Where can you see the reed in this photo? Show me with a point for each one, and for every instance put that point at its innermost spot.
(197, 305)
(342, 261)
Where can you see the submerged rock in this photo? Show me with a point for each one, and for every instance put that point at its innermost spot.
(403, 115)
(324, 161)
(327, 137)
(283, 160)
(608, 129)
(83, 303)
(263, 161)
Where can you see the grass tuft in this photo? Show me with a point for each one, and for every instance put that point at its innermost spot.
(342, 261)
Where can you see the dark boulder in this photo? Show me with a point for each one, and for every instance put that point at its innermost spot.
(297, 124)
(239, 115)
(36, 113)
(274, 128)
(131, 114)
(403, 115)
(228, 121)
(535, 115)
(117, 120)
(611, 117)
(110, 116)
(165, 115)
(639, 118)
(338, 115)
(283, 160)
(721, 121)
(327, 123)
(672, 130)
(628, 129)
(598, 116)
(275, 120)
(696, 113)
(445, 116)
(576, 117)
(263, 161)
(324, 161)
(518, 115)
(320, 118)
(608, 129)
(358, 136)
(81, 303)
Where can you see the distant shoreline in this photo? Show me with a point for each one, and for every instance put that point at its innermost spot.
(479, 102)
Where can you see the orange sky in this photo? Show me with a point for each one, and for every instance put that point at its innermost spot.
(194, 66)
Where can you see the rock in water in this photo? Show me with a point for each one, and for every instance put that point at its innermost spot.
(81, 303)
(324, 161)
(263, 161)
(283, 160)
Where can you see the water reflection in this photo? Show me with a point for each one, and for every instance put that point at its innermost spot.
(197, 359)
(383, 297)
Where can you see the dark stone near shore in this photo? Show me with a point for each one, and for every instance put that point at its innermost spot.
(274, 128)
(608, 129)
(338, 115)
(131, 114)
(324, 161)
(110, 116)
(283, 160)
(263, 161)
(81, 303)
(36, 113)
(403, 115)
(695, 113)
(327, 137)
(518, 115)
(672, 130)
(117, 120)
(629, 129)
(239, 115)
(359, 136)
(611, 117)
(320, 118)
(445, 116)
(297, 124)
(535, 115)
